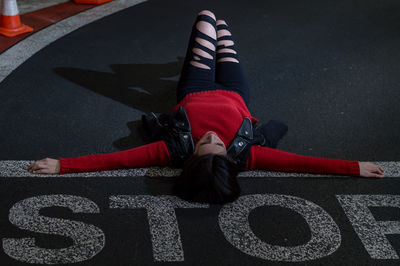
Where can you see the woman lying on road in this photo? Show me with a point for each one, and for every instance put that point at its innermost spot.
(210, 132)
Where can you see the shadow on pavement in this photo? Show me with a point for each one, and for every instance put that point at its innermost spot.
(134, 85)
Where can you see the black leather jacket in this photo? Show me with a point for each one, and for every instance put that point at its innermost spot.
(176, 132)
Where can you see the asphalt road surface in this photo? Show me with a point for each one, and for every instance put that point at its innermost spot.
(328, 69)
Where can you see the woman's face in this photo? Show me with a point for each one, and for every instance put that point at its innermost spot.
(210, 143)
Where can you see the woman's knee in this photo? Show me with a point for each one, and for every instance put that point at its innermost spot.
(207, 29)
(208, 13)
(221, 22)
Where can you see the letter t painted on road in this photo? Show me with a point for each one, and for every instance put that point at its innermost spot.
(165, 237)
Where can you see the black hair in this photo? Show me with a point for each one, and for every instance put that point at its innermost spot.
(210, 178)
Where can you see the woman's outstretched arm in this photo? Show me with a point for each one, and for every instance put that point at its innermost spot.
(153, 154)
(278, 160)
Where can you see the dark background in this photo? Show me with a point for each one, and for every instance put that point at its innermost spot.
(328, 69)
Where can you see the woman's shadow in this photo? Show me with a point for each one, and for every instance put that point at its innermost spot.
(145, 87)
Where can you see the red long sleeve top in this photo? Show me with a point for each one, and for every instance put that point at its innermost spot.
(222, 112)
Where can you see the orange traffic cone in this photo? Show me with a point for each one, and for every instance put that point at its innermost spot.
(10, 23)
(93, 2)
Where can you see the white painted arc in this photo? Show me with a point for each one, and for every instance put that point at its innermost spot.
(9, 8)
(22, 51)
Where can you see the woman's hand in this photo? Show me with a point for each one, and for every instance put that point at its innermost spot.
(370, 170)
(45, 166)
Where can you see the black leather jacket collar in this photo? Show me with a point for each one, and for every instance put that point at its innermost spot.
(175, 130)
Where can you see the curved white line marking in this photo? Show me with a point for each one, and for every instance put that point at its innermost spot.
(19, 53)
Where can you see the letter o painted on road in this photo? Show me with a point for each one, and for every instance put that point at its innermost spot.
(234, 223)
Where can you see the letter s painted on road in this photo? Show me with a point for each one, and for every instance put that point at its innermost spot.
(88, 239)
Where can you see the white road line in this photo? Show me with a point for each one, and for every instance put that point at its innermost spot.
(22, 51)
(13, 168)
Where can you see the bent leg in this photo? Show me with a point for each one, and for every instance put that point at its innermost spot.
(229, 70)
(198, 69)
